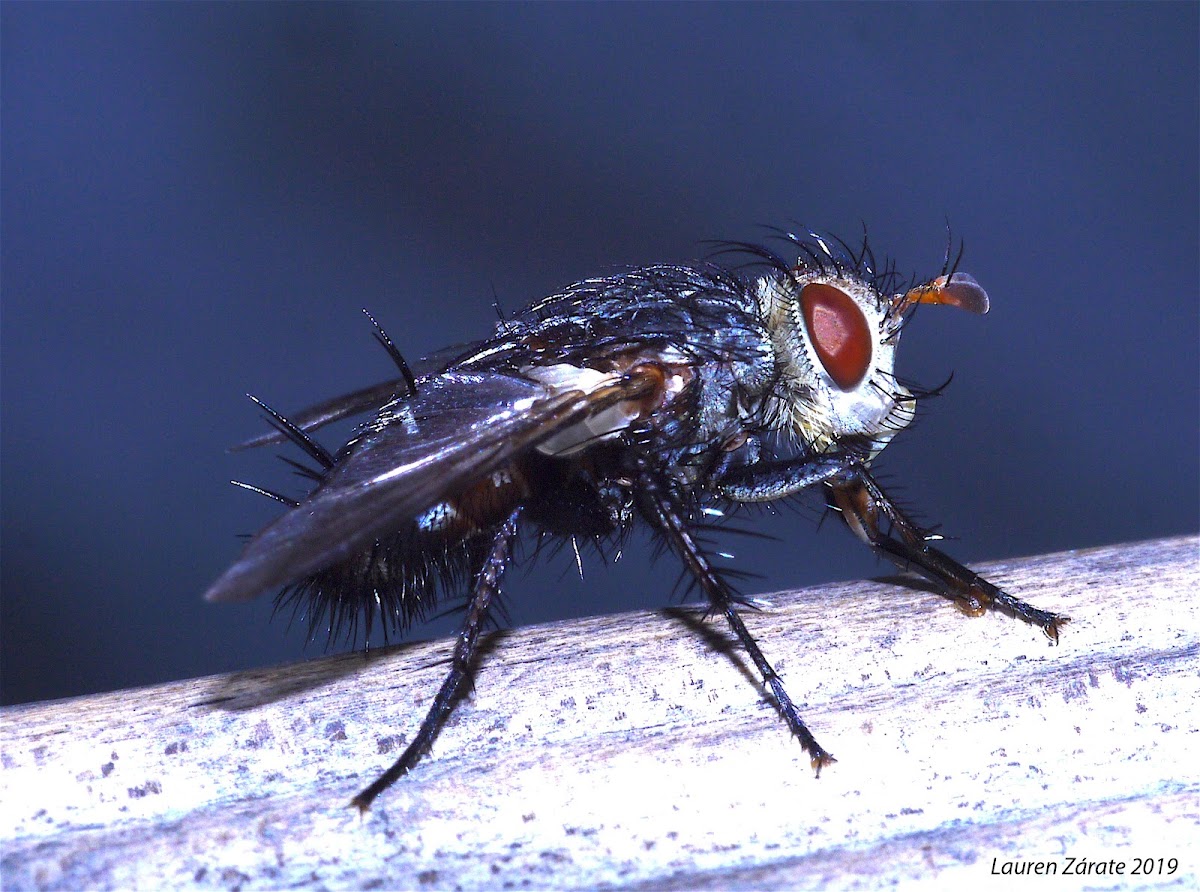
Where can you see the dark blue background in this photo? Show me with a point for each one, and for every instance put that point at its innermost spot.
(198, 200)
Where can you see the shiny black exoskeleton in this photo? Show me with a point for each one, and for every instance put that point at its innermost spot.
(661, 397)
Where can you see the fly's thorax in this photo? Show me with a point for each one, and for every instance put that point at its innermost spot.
(835, 344)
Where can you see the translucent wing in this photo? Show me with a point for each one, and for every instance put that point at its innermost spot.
(458, 427)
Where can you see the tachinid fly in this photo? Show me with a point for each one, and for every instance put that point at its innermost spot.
(661, 397)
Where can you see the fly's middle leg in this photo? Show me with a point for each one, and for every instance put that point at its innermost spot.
(667, 520)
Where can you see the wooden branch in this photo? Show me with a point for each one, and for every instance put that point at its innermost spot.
(622, 751)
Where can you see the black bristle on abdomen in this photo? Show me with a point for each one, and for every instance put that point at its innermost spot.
(398, 580)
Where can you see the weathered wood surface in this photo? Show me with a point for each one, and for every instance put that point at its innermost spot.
(624, 751)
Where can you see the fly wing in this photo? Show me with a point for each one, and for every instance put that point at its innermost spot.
(459, 427)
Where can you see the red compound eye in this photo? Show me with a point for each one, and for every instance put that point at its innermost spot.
(839, 332)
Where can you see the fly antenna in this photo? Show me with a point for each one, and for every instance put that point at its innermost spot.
(948, 268)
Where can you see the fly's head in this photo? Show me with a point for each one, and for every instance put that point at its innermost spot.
(834, 329)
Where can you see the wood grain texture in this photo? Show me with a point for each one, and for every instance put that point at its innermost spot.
(638, 751)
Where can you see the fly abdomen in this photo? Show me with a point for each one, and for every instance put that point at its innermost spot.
(478, 508)
(401, 577)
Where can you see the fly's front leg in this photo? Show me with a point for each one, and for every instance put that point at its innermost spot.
(863, 505)
(767, 481)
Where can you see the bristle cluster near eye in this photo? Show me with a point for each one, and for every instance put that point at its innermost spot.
(813, 253)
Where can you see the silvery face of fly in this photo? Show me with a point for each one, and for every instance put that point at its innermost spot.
(835, 339)
(658, 398)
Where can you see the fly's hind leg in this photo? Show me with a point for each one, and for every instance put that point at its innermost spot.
(667, 520)
(487, 586)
